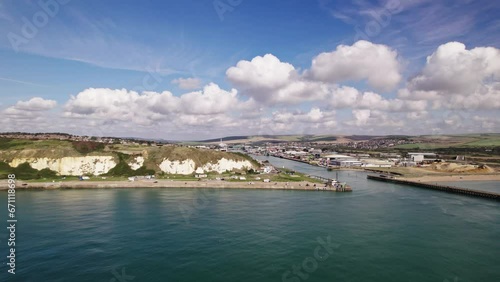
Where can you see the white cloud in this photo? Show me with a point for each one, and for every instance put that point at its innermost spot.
(313, 121)
(121, 105)
(373, 121)
(35, 104)
(212, 100)
(455, 77)
(378, 64)
(32, 109)
(270, 81)
(150, 108)
(189, 83)
(349, 97)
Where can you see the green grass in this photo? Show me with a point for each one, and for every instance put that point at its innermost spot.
(7, 143)
(17, 144)
(21, 148)
(178, 177)
(488, 142)
(296, 177)
(422, 146)
(430, 142)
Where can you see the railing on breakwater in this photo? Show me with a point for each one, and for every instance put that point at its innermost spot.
(444, 188)
(319, 178)
(331, 185)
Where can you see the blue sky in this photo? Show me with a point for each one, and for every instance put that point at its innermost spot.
(83, 45)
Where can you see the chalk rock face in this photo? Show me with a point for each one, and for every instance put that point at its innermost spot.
(136, 163)
(178, 167)
(223, 165)
(75, 166)
(188, 166)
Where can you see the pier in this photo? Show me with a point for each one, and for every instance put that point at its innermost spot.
(444, 188)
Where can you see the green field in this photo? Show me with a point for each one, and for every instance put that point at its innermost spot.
(428, 142)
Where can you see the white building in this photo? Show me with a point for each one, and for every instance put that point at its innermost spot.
(222, 146)
(342, 160)
(420, 157)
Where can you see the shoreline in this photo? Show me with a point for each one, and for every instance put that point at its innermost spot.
(212, 184)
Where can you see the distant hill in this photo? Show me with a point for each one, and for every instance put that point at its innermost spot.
(422, 141)
(256, 139)
(229, 138)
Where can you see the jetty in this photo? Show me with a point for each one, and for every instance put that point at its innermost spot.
(437, 187)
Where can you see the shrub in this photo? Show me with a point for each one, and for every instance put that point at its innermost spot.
(123, 169)
(85, 147)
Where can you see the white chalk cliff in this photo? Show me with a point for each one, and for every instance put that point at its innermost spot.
(94, 165)
(97, 165)
(177, 167)
(188, 166)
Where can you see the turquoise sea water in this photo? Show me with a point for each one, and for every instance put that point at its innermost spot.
(379, 232)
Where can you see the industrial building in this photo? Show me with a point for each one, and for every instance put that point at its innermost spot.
(420, 157)
(342, 161)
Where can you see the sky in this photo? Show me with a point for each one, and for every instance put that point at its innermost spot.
(199, 69)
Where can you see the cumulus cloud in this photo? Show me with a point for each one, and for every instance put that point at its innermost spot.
(349, 97)
(271, 81)
(120, 104)
(149, 108)
(455, 77)
(378, 64)
(313, 121)
(189, 83)
(35, 104)
(32, 109)
(370, 121)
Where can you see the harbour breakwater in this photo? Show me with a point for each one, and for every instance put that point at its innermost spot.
(437, 187)
(212, 184)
